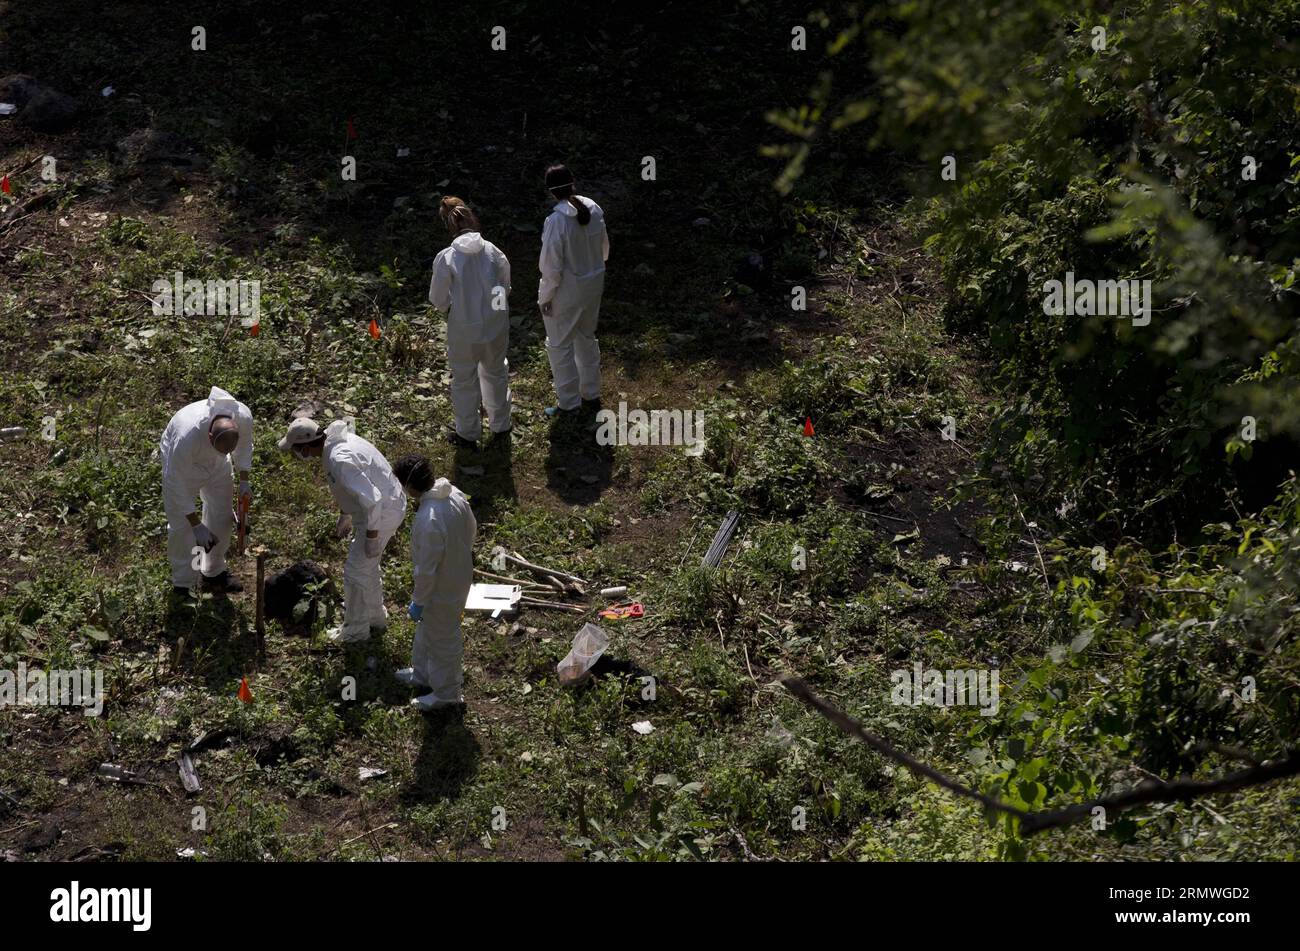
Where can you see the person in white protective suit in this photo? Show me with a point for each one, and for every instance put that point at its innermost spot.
(442, 552)
(372, 505)
(198, 449)
(471, 284)
(575, 247)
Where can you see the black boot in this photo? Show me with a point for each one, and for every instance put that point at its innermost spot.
(222, 584)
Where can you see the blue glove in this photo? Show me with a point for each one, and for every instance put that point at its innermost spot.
(415, 611)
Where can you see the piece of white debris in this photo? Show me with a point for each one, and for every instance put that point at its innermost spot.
(7, 108)
(371, 772)
(403, 153)
(644, 727)
(107, 91)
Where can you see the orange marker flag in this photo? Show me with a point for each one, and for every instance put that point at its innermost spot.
(255, 329)
(374, 328)
(245, 694)
(5, 186)
(807, 426)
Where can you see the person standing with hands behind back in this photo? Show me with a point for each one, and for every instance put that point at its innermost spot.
(575, 247)
(471, 284)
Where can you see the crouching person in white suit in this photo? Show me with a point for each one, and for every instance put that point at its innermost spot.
(442, 552)
(372, 505)
(198, 449)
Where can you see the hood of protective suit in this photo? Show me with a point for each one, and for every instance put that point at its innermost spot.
(471, 242)
(221, 403)
(441, 489)
(336, 430)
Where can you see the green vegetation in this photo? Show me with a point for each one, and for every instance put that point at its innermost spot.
(1098, 531)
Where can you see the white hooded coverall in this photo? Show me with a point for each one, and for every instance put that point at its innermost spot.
(573, 278)
(190, 467)
(465, 278)
(442, 552)
(364, 487)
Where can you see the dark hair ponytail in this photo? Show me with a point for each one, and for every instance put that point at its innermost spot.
(414, 473)
(560, 181)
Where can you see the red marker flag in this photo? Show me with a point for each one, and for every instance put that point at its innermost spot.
(245, 694)
(5, 186)
(807, 426)
(374, 328)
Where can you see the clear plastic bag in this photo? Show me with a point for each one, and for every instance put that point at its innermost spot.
(588, 645)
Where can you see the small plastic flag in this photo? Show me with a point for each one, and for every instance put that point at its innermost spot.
(807, 426)
(374, 328)
(255, 329)
(245, 694)
(5, 186)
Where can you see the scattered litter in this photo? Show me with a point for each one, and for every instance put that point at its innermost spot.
(619, 612)
(588, 645)
(644, 727)
(779, 735)
(189, 778)
(618, 592)
(208, 739)
(7, 108)
(12, 432)
(403, 153)
(190, 853)
(718, 548)
(116, 773)
(107, 91)
(494, 598)
(370, 772)
(701, 222)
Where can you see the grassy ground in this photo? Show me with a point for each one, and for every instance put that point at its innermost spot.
(897, 566)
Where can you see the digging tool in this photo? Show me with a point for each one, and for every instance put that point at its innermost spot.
(261, 553)
(241, 519)
(552, 605)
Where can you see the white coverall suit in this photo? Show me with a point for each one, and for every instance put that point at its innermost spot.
(442, 551)
(190, 467)
(465, 278)
(573, 278)
(365, 489)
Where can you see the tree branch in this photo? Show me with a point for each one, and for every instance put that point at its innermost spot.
(1152, 790)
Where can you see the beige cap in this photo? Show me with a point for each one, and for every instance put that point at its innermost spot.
(300, 431)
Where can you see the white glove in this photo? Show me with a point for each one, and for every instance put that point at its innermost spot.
(372, 547)
(343, 528)
(203, 537)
